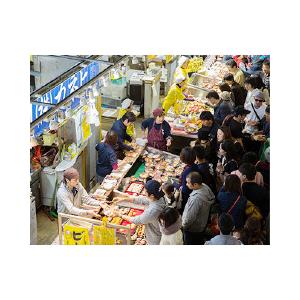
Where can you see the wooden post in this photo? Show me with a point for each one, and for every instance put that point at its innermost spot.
(60, 228)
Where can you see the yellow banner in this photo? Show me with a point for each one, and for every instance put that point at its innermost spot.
(86, 128)
(104, 235)
(74, 235)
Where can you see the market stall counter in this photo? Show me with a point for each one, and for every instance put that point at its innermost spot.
(149, 162)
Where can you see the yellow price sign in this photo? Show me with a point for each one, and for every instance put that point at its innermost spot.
(104, 235)
(74, 235)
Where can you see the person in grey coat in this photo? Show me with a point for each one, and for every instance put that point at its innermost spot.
(226, 225)
(196, 211)
(155, 203)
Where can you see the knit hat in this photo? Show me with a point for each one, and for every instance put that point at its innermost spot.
(157, 112)
(153, 188)
(258, 95)
(71, 173)
(225, 96)
(126, 103)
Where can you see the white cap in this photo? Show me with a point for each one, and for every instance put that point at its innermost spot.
(179, 78)
(126, 103)
(182, 60)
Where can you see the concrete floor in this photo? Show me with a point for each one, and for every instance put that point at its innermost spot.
(47, 229)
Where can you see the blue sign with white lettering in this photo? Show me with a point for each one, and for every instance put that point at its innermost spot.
(67, 87)
(60, 92)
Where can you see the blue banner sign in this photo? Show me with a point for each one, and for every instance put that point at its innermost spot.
(62, 91)
(65, 88)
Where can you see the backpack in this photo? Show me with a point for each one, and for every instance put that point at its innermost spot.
(227, 120)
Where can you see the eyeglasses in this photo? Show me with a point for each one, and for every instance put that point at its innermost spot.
(259, 100)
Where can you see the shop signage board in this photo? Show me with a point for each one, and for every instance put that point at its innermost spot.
(60, 92)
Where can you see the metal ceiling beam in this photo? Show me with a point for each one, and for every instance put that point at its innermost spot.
(53, 110)
(81, 58)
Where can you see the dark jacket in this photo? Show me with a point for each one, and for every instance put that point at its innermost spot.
(148, 124)
(236, 128)
(258, 195)
(207, 177)
(226, 200)
(185, 190)
(120, 129)
(222, 110)
(212, 137)
(106, 158)
(239, 94)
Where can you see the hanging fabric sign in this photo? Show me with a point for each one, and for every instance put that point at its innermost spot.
(74, 235)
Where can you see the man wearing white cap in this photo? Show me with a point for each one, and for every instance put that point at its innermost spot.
(125, 107)
(175, 95)
(182, 69)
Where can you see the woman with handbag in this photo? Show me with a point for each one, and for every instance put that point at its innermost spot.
(232, 201)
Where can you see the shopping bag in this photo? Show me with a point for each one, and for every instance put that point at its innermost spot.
(253, 211)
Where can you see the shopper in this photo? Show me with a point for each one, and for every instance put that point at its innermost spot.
(155, 204)
(252, 233)
(226, 226)
(257, 111)
(223, 134)
(107, 156)
(171, 195)
(263, 166)
(209, 124)
(159, 130)
(250, 86)
(225, 107)
(250, 157)
(236, 123)
(222, 107)
(239, 76)
(71, 195)
(203, 139)
(175, 96)
(120, 127)
(262, 88)
(182, 69)
(170, 224)
(238, 92)
(204, 168)
(228, 160)
(258, 195)
(188, 157)
(265, 74)
(255, 63)
(196, 211)
(126, 106)
(232, 201)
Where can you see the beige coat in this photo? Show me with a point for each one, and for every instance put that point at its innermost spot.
(68, 204)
